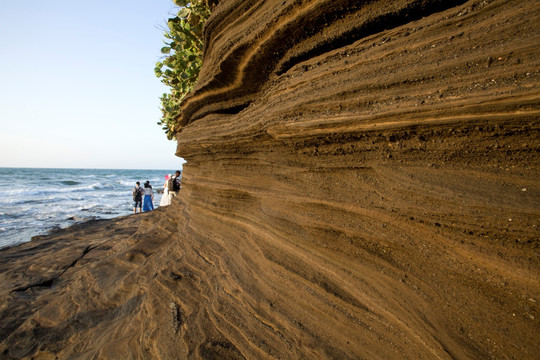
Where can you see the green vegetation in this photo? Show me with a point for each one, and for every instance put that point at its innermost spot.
(183, 59)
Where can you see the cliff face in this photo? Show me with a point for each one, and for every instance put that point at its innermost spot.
(364, 178)
(362, 183)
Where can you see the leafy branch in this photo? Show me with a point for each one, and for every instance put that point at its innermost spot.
(180, 67)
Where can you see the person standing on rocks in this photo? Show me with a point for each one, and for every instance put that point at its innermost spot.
(137, 197)
(165, 200)
(174, 185)
(148, 203)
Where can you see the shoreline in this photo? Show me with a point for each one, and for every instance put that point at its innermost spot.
(33, 206)
(55, 230)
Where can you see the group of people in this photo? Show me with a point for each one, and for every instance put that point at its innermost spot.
(143, 197)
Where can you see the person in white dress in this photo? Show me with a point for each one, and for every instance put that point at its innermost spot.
(165, 200)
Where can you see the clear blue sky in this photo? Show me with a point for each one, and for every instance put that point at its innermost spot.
(77, 84)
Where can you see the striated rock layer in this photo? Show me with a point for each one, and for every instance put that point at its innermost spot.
(362, 183)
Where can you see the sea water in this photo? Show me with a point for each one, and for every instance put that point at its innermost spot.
(36, 201)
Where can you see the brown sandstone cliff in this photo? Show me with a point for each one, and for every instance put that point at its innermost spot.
(362, 183)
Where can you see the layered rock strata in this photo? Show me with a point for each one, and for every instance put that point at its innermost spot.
(375, 167)
(362, 183)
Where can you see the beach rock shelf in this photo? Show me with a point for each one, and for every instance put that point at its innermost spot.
(362, 183)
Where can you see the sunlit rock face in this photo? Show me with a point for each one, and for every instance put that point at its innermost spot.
(362, 183)
(362, 180)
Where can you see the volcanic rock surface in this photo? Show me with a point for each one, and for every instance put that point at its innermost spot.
(362, 183)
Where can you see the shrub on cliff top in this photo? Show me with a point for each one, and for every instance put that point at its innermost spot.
(179, 69)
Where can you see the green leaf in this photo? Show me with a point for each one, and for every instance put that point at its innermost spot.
(184, 12)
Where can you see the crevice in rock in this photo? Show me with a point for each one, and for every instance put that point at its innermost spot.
(233, 110)
(85, 251)
(48, 283)
(413, 12)
(43, 283)
(176, 317)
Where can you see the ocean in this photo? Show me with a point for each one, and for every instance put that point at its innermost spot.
(36, 201)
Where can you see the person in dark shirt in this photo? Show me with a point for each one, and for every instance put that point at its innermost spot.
(137, 197)
(174, 185)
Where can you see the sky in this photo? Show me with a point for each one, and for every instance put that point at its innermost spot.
(77, 84)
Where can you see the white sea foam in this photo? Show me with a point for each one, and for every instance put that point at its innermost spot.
(126, 183)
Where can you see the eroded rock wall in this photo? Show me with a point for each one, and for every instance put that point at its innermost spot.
(363, 177)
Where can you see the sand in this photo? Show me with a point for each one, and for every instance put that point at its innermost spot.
(362, 183)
